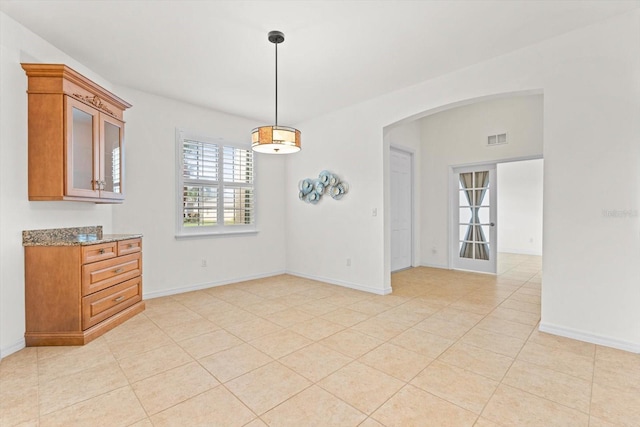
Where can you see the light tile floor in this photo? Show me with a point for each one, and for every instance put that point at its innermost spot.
(445, 349)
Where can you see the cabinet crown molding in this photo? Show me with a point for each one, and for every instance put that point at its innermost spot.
(53, 76)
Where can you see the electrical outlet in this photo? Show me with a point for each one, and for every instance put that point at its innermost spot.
(348, 262)
(203, 263)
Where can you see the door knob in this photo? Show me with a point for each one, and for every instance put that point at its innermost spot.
(493, 224)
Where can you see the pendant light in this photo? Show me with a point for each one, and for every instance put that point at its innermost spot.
(275, 139)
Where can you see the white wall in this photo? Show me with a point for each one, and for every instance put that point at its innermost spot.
(458, 137)
(592, 163)
(520, 207)
(18, 45)
(172, 265)
(169, 265)
(321, 237)
(590, 79)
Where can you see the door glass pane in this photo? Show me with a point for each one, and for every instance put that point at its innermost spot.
(466, 250)
(481, 251)
(112, 172)
(82, 149)
(486, 198)
(483, 215)
(466, 180)
(463, 198)
(463, 231)
(474, 233)
(486, 232)
(481, 179)
(465, 215)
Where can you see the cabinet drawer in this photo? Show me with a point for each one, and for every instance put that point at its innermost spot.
(104, 304)
(126, 247)
(102, 274)
(93, 253)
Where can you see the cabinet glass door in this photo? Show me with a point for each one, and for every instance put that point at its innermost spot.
(112, 165)
(82, 143)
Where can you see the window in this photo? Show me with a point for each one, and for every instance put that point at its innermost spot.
(215, 186)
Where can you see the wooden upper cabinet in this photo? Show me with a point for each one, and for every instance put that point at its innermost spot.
(76, 137)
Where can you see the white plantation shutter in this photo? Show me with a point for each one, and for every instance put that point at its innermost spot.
(200, 160)
(199, 183)
(238, 201)
(216, 189)
(200, 205)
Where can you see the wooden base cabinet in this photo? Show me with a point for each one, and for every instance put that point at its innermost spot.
(74, 294)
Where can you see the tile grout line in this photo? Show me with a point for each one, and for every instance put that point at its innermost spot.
(406, 327)
(510, 366)
(593, 377)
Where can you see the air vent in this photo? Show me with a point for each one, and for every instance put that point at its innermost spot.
(499, 139)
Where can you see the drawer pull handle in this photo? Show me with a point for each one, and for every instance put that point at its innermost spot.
(101, 251)
(130, 245)
(118, 270)
(120, 298)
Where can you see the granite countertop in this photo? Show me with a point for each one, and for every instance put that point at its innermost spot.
(75, 236)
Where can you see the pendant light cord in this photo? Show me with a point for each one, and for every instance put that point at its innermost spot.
(276, 83)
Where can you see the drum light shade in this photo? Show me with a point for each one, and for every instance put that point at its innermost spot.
(275, 140)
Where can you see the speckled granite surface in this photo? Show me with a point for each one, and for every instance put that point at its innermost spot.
(74, 236)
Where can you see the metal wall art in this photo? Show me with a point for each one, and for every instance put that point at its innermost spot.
(311, 190)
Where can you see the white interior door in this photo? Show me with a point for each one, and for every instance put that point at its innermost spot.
(401, 209)
(474, 232)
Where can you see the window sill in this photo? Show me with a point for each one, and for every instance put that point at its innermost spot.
(213, 234)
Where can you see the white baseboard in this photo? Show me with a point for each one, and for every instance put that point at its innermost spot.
(4, 352)
(591, 338)
(200, 286)
(518, 251)
(441, 266)
(343, 283)
(206, 285)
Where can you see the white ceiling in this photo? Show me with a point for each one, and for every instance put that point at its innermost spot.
(336, 53)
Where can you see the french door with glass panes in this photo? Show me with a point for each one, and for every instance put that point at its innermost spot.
(474, 231)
